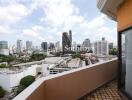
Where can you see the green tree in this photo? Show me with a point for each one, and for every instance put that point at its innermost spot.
(113, 51)
(3, 66)
(36, 57)
(20, 88)
(2, 92)
(28, 80)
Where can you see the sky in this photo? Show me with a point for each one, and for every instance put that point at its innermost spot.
(45, 20)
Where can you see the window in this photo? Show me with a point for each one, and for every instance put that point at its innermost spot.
(126, 61)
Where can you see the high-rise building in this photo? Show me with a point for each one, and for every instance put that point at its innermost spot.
(29, 45)
(4, 48)
(74, 46)
(19, 46)
(101, 47)
(44, 46)
(51, 46)
(87, 44)
(104, 47)
(70, 36)
(57, 46)
(111, 46)
(29, 48)
(66, 41)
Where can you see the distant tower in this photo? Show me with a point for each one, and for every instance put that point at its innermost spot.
(28, 46)
(70, 36)
(66, 42)
(19, 46)
(87, 44)
(4, 48)
(101, 47)
(57, 46)
(44, 46)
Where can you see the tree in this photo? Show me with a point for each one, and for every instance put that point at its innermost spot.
(28, 80)
(36, 57)
(2, 92)
(8, 58)
(3, 66)
(20, 88)
(77, 55)
(113, 51)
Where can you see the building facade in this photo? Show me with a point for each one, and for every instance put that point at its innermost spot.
(101, 47)
(87, 43)
(57, 46)
(29, 46)
(19, 46)
(44, 46)
(111, 46)
(66, 42)
(4, 48)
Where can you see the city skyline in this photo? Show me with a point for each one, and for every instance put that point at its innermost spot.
(31, 21)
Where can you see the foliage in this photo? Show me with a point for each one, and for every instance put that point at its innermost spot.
(57, 54)
(37, 57)
(113, 51)
(3, 66)
(77, 55)
(2, 92)
(8, 58)
(22, 61)
(24, 83)
(28, 80)
(20, 88)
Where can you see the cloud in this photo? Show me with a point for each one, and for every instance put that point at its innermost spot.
(13, 12)
(96, 22)
(56, 16)
(59, 12)
(4, 30)
(34, 32)
(98, 28)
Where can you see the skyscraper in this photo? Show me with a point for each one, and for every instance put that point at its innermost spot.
(29, 46)
(70, 36)
(19, 46)
(44, 46)
(101, 47)
(4, 48)
(74, 46)
(57, 46)
(66, 41)
(51, 46)
(111, 46)
(87, 44)
(104, 47)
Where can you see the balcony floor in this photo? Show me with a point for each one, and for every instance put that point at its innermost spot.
(107, 92)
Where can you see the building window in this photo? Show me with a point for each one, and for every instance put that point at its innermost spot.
(126, 61)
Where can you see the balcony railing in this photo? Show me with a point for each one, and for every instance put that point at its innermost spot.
(73, 84)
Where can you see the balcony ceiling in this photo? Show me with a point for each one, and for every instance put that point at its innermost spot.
(109, 7)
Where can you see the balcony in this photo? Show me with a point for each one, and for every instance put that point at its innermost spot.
(71, 85)
(106, 92)
(109, 7)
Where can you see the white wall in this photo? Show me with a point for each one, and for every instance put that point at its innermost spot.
(8, 81)
(45, 71)
(5, 81)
